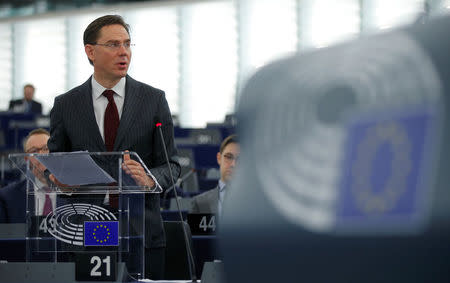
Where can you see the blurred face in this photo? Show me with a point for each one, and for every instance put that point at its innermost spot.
(37, 144)
(227, 161)
(28, 93)
(111, 61)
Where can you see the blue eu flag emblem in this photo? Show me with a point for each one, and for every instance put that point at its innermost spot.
(101, 233)
(387, 161)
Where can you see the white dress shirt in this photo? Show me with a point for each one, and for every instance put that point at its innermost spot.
(100, 101)
(39, 198)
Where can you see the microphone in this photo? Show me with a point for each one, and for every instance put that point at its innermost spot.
(191, 262)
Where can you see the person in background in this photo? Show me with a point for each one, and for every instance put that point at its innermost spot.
(13, 196)
(27, 104)
(211, 201)
(113, 112)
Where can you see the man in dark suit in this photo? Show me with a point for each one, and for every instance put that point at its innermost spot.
(13, 196)
(13, 202)
(211, 201)
(27, 104)
(113, 112)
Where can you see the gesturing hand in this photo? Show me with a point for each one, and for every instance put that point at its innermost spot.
(136, 171)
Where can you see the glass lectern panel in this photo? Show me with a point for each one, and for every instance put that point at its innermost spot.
(83, 205)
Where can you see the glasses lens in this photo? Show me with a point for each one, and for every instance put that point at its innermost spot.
(229, 157)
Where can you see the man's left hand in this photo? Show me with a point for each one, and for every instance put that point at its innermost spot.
(136, 171)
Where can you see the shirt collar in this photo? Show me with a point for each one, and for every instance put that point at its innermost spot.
(98, 89)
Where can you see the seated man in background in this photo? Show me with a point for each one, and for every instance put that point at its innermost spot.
(13, 196)
(211, 201)
(27, 104)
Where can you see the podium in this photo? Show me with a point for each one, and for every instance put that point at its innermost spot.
(83, 208)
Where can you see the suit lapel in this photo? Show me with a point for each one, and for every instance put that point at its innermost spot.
(215, 200)
(86, 109)
(131, 105)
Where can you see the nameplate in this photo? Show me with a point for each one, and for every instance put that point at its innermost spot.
(202, 223)
(96, 266)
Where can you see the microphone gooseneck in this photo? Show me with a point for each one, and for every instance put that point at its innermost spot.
(191, 262)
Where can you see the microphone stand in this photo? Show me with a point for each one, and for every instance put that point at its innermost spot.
(186, 240)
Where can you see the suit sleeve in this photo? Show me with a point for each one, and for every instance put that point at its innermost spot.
(160, 169)
(11, 105)
(194, 206)
(58, 141)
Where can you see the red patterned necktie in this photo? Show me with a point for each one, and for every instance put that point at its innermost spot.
(47, 205)
(111, 122)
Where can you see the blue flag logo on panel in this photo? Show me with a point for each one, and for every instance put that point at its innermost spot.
(101, 233)
(385, 171)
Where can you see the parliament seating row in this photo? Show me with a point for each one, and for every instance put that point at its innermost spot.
(197, 149)
(15, 126)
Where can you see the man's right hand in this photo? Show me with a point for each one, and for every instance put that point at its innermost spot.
(63, 187)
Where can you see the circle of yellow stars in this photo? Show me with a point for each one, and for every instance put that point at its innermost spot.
(106, 229)
(366, 199)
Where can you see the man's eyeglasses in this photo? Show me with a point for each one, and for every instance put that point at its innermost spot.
(230, 158)
(37, 149)
(116, 45)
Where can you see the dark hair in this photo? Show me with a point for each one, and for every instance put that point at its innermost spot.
(92, 32)
(38, 131)
(227, 141)
(28, 85)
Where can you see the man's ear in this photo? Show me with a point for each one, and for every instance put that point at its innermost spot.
(89, 49)
(219, 157)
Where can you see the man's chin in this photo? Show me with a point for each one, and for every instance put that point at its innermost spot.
(227, 179)
(119, 76)
(122, 72)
